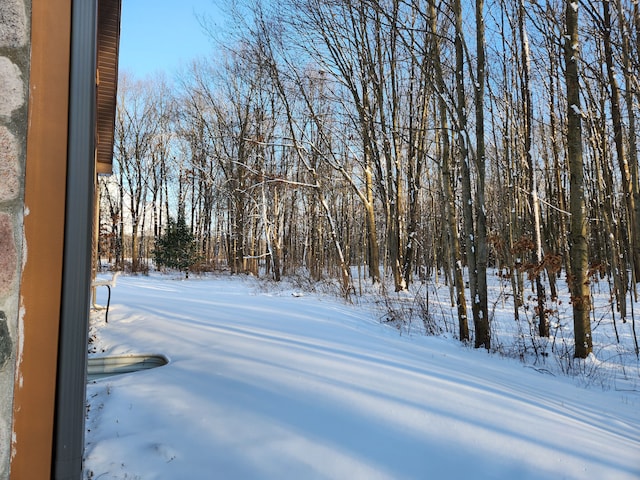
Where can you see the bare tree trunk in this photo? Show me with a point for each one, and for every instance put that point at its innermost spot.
(381, 69)
(561, 196)
(480, 300)
(543, 324)
(612, 228)
(449, 199)
(120, 244)
(578, 248)
(465, 170)
(629, 189)
(631, 86)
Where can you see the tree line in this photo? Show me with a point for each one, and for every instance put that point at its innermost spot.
(407, 138)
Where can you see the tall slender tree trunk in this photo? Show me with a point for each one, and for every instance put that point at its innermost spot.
(612, 228)
(631, 85)
(135, 247)
(629, 189)
(480, 300)
(561, 196)
(269, 233)
(578, 247)
(277, 237)
(418, 118)
(534, 203)
(120, 241)
(465, 169)
(447, 177)
(373, 250)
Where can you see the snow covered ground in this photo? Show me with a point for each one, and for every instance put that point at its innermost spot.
(276, 385)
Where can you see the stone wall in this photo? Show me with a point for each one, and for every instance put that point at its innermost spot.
(14, 78)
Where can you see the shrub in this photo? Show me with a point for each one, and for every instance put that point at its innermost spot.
(176, 248)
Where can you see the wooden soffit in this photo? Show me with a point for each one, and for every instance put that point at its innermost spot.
(107, 81)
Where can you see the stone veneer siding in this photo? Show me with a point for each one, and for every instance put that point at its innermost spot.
(14, 81)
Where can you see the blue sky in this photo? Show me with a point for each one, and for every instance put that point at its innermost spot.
(162, 35)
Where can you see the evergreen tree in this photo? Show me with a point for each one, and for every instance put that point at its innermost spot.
(176, 248)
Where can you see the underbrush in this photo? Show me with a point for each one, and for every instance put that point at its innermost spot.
(428, 308)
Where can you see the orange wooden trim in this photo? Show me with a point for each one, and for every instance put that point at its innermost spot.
(41, 285)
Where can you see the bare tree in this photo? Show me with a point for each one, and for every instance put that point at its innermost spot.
(579, 282)
(447, 178)
(480, 300)
(136, 126)
(534, 202)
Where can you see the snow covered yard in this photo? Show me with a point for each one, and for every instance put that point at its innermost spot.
(278, 386)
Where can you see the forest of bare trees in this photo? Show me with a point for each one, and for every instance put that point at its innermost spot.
(401, 139)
